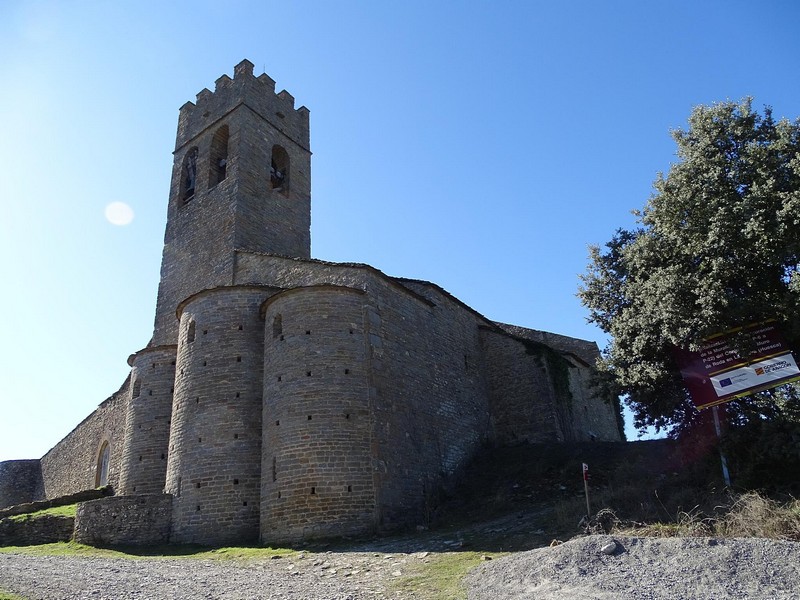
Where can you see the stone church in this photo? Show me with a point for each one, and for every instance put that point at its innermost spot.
(283, 397)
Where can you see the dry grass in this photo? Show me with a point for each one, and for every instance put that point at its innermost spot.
(748, 515)
(753, 515)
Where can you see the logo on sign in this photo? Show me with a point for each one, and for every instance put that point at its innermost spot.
(774, 367)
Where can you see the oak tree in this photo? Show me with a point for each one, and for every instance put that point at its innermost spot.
(717, 246)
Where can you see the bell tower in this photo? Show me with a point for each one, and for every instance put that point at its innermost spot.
(241, 180)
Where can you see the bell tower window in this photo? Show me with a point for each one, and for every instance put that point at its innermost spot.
(189, 175)
(279, 170)
(219, 157)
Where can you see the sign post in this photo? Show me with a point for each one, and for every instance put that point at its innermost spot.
(726, 476)
(586, 489)
(720, 371)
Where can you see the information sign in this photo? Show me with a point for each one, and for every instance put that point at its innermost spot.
(718, 373)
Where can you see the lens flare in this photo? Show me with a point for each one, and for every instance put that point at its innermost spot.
(119, 213)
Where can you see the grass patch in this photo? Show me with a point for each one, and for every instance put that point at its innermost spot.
(246, 553)
(440, 576)
(63, 549)
(57, 511)
(165, 551)
(10, 596)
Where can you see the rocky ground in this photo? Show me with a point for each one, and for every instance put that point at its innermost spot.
(645, 569)
(636, 568)
(344, 576)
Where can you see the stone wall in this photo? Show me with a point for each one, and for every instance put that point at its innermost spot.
(43, 529)
(72, 464)
(583, 349)
(596, 418)
(431, 412)
(592, 417)
(521, 396)
(20, 482)
(30, 507)
(140, 520)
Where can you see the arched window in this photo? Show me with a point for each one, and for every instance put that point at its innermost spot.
(279, 170)
(218, 157)
(189, 175)
(101, 474)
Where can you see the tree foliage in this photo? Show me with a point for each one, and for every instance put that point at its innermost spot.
(717, 246)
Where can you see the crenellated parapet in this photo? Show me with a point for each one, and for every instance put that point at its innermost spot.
(257, 93)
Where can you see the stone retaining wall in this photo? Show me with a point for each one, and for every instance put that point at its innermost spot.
(141, 520)
(44, 529)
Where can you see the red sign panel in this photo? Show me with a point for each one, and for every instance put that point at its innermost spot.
(718, 373)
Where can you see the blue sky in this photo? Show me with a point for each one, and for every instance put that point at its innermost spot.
(478, 145)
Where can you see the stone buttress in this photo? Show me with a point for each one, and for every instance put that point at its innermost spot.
(144, 451)
(316, 458)
(214, 466)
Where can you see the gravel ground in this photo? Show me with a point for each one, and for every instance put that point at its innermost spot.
(639, 569)
(644, 568)
(326, 576)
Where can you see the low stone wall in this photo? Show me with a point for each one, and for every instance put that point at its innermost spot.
(141, 520)
(29, 507)
(44, 529)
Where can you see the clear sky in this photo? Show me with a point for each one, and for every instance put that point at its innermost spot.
(478, 145)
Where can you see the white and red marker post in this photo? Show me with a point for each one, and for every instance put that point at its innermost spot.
(586, 489)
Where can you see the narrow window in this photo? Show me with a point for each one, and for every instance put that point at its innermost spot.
(279, 170)
(190, 332)
(137, 388)
(218, 160)
(277, 326)
(189, 175)
(101, 476)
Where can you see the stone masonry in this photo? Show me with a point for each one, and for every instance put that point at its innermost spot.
(283, 397)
